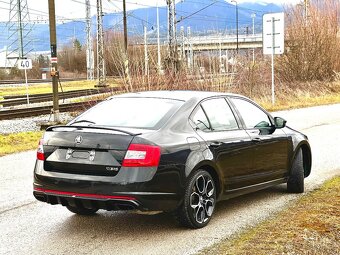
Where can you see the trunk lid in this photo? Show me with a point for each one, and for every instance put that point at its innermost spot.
(85, 150)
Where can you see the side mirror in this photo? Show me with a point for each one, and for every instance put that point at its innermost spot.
(280, 122)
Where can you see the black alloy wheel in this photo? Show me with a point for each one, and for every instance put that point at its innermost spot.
(199, 201)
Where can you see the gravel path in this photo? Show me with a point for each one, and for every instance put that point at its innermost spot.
(28, 124)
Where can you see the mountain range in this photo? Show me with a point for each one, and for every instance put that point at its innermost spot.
(202, 16)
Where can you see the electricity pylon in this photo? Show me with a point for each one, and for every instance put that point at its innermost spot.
(100, 47)
(19, 29)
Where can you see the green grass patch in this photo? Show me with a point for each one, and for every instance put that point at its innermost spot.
(309, 226)
(16, 142)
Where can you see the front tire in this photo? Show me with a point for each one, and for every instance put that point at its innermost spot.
(81, 210)
(199, 201)
(296, 179)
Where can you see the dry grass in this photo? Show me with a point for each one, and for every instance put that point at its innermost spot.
(47, 87)
(17, 142)
(310, 226)
(303, 95)
(301, 102)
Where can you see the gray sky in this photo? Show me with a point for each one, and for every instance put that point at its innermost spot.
(75, 9)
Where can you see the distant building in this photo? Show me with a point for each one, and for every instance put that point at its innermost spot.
(5, 63)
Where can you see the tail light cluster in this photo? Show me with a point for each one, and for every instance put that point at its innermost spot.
(40, 151)
(137, 155)
(142, 155)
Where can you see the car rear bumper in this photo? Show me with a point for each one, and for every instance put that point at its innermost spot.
(105, 192)
(144, 201)
(89, 201)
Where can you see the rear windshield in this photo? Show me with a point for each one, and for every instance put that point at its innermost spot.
(149, 113)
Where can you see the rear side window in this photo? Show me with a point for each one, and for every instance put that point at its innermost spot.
(200, 120)
(219, 114)
(149, 113)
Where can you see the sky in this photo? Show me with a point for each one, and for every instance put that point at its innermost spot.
(75, 9)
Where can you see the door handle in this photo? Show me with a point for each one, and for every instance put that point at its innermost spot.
(216, 144)
(256, 139)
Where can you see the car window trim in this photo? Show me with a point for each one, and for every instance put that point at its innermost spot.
(199, 104)
(196, 109)
(256, 105)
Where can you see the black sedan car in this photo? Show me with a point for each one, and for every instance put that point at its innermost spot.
(172, 151)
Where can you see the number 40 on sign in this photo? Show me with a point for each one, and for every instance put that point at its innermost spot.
(25, 64)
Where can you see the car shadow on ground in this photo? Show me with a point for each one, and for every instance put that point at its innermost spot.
(123, 223)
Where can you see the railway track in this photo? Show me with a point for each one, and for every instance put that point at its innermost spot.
(38, 98)
(22, 81)
(40, 110)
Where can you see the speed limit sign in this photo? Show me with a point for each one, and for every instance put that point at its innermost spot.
(25, 64)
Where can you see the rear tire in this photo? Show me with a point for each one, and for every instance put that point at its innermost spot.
(198, 202)
(296, 179)
(81, 210)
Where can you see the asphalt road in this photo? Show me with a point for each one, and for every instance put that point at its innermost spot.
(31, 227)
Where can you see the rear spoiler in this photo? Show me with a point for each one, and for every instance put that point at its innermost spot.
(51, 128)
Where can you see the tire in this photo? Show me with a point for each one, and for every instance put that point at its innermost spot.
(295, 182)
(81, 210)
(199, 201)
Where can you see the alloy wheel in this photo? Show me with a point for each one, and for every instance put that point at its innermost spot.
(202, 198)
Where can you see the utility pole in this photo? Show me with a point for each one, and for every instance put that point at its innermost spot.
(159, 65)
(146, 58)
(182, 43)
(89, 43)
(54, 67)
(236, 10)
(190, 51)
(172, 44)
(227, 61)
(306, 7)
(253, 16)
(101, 74)
(220, 54)
(125, 27)
(126, 57)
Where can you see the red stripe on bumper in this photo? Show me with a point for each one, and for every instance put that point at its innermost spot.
(67, 193)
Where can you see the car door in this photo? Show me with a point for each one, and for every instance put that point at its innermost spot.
(270, 144)
(230, 145)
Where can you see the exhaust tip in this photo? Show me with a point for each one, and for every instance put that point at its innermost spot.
(40, 197)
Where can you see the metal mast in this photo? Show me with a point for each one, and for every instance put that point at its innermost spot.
(190, 53)
(159, 65)
(306, 10)
(172, 44)
(89, 43)
(19, 28)
(182, 34)
(100, 47)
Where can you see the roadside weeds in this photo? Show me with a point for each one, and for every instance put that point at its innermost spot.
(17, 142)
(311, 225)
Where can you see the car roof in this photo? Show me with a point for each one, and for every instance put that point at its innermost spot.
(183, 95)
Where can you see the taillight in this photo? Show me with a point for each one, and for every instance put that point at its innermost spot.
(142, 155)
(40, 151)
